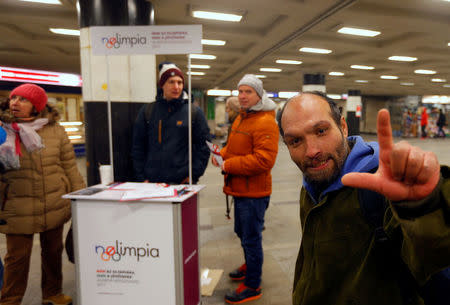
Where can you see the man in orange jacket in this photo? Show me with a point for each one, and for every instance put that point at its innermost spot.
(249, 156)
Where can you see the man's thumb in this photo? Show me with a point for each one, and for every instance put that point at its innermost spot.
(360, 180)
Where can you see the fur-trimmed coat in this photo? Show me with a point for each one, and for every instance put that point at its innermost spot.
(30, 197)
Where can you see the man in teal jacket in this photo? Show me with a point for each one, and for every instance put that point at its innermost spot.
(340, 259)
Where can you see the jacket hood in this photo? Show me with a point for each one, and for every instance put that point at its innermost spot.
(363, 158)
(264, 104)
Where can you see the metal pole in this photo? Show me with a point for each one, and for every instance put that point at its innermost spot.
(190, 120)
(111, 156)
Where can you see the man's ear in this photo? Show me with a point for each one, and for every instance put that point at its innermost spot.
(344, 127)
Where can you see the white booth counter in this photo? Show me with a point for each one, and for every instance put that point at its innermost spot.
(143, 251)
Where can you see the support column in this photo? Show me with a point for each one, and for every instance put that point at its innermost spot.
(131, 79)
(353, 109)
(314, 82)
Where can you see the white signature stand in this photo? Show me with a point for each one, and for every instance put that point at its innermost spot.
(136, 252)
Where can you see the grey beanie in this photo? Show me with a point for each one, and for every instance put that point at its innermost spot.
(254, 82)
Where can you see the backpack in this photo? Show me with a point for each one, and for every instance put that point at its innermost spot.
(436, 290)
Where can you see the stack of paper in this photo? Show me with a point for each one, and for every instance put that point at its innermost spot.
(138, 191)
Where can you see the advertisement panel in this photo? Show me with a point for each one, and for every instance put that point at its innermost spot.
(154, 39)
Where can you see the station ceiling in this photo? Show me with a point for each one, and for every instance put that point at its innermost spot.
(268, 31)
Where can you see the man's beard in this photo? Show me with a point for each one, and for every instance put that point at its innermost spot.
(322, 179)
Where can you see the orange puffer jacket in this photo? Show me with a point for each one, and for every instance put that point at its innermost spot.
(250, 154)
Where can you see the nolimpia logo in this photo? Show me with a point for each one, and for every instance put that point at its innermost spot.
(115, 253)
(117, 41)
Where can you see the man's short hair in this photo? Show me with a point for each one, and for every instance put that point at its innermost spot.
(334, 110)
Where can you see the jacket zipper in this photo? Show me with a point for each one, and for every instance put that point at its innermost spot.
(159, 131)
(43, 191)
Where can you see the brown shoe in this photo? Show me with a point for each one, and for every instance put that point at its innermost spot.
(59, 299)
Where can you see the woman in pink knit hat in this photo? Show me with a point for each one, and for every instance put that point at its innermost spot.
(40, 167)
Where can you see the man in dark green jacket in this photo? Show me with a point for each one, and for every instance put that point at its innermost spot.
(341, 260)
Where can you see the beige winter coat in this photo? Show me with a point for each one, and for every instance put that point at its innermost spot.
(30, 197)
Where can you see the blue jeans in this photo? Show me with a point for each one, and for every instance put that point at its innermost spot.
(248, 225)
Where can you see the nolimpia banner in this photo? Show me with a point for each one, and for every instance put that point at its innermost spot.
(153, 39)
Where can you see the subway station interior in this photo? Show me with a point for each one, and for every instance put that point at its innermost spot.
(381, 53)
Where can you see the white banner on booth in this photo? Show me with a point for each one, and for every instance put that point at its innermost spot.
(153, 39)
(127, 253)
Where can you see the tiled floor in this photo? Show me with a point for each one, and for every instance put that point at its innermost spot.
(220, 248)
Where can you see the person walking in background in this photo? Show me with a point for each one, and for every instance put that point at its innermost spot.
(160, 135)
(424, 122)
(40, 167)
(248, 157)
(441, 122)
(232, 108)
(374, 215)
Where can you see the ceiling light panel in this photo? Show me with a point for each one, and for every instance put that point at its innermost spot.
(218, 92)
(335, 73)
(388, 77)
(65, 32)
(362, 81)
(202, 56)
(44, 1)
(438, 80)
(407, 84)
(196, 73)
(213, 42)
(315, 50)
(424, 71)
(361, 67)
(288, 62)
(217, 16)
(260, 76)
(402, 58)
(270, 70)
(358, 32)
(200, 66)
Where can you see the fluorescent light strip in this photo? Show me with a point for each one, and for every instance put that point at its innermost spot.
(287, 94)
(360, 67)
(70, 123)
(217, 16)
(213, 42)
(315, 50)
(71, 129)
(44, 1)
(218, 92)
(202, 56)
(402, 58)
(260, 75)
(424, 71)
(446, 86)
(65, 32)
(407, 84)
(334, 96)
(388, 77)
(235, 92)
(334, 73)
(288, 62)
(438, 80)
(201, 66)
(74, 137)
(270, 70)
(196, 73)
(363, 81)
(358, 32)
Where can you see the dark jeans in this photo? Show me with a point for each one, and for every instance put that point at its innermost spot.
(248, 225)
(424, 131)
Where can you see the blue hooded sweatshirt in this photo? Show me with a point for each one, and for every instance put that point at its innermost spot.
(2, 135)
(362, 158)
